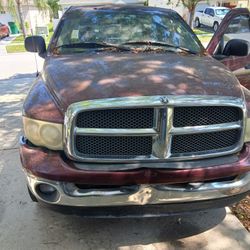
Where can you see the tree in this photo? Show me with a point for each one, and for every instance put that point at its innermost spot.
(15, 8)
(54, 8)
(190, 5)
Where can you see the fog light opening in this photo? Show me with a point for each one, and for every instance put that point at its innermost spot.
(46, 189)
(47, 192)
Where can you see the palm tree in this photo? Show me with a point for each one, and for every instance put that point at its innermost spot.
(15, 7)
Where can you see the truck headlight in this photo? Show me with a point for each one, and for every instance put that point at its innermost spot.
(41, 133)
(247, 132)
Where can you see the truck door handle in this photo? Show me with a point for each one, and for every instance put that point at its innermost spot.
(247, 66)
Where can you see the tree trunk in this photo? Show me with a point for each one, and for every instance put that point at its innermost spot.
(191, 17)
(20, 14)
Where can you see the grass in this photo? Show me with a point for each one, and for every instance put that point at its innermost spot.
(201, 32)
(19, 39)
(15, 48)
(203, 35)
(17, 45)
(205, 39)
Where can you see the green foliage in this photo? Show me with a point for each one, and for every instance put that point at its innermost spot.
(1, 6)
(41, 4)
(27, 25)
(10, 6)
(54, 7)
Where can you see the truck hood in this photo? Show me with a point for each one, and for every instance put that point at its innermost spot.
(79, 77)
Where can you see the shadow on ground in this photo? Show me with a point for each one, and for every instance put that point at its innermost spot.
(141, 231)
(20, 76)
(13, 92)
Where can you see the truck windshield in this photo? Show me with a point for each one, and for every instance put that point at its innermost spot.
(116, 27)
(221, 12)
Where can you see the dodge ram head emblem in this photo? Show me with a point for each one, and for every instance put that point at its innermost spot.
(164, 100)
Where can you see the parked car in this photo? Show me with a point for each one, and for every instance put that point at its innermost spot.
(211, 17)
(131, 111)
(4, 30)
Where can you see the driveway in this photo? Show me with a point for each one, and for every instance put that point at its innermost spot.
(27, 225)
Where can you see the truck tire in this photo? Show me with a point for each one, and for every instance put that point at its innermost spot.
(197, 23)
(215, 26)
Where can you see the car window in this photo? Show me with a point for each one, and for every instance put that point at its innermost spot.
(239, 24)
(207, 11)
(221, 12)
(118, 27)
(211, 12)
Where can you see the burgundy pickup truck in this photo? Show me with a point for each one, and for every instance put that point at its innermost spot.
(131, 111)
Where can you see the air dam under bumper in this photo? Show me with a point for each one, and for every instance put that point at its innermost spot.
(134, 187)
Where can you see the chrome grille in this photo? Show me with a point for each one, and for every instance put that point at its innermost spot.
(204, 142)
(197, 116)
(148, 128)
(116, 118)
(114, 146)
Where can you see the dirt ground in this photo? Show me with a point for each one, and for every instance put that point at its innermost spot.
(242, 211)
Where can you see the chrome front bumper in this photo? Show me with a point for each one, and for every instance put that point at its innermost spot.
(70, 195)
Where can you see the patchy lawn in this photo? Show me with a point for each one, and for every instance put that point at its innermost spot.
(203, 35)
(242, 211)
(15, 48)
(17, 45)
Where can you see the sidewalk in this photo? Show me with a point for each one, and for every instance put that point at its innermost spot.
(19, 63)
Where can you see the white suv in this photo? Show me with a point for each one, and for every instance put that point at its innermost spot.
(211, 16)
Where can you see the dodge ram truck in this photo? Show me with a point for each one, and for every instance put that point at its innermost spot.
(131, 111)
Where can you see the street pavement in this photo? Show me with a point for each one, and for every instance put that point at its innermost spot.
(26, 225)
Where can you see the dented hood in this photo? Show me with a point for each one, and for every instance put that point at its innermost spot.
(79, 77)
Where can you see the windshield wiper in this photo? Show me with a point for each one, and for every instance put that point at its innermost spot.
(92, 45)
(153, 43)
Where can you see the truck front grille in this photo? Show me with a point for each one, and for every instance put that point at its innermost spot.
(204, 142)
(116, 118)
(145, 128)
(114, 146)
(197, 116)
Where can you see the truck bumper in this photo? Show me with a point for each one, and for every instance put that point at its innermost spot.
(71, 186)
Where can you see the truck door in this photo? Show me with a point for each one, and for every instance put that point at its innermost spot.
(210, 19)
(231, 44)
(205, 16)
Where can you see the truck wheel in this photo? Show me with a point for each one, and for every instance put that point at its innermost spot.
(197, 23)
(32, 196)
(216, 26)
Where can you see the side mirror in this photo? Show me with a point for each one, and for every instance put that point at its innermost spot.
(35, 44)
(236, 47)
